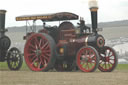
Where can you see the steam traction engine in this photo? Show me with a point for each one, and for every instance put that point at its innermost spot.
(67, 47)
(13, 56)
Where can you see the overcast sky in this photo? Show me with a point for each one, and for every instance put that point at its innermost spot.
(109, 10)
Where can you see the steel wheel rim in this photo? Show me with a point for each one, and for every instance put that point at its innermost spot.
(107, 60)
(86, 59)
(37, 52)
(14, 58)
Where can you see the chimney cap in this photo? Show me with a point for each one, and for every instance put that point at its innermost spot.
(2, 11)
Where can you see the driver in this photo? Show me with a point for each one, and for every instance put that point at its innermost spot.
(83, 26)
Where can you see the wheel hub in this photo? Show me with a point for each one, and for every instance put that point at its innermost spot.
(15, 59)
(38, 52)
(105, 59)
(85, 58)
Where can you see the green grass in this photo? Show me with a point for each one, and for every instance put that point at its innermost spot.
(122, 67)
(4, 66)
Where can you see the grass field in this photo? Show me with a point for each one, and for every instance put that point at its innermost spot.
(26, 77)
(3, 66)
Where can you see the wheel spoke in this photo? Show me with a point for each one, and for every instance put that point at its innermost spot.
(101, 62)
(109, 65)
(40, 42)
(82, 62)
(34, 61)
(111, 59)
(41, 60)
(31, 45)
(91, 65)
(85, 52)
(44, 45)
(107, 52)
(84, 65)
(93, 58)
(31, 59)
(32, 50)
(48, 55)
(36, 41)
(90, 53)
(47, 47)
(93, 61)
(44, 57)
(45, 62)
(39, 65)
(87, 66)
(105, 65)
(31, 54)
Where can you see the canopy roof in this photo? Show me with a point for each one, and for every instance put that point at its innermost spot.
(49, 17)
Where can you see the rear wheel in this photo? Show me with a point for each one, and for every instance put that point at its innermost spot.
(39, 52)
(14, 59)
(87, 59)
(108, 59)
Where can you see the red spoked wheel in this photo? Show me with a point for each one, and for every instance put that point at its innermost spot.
(108, 59)
(87, 59)
(39, 52)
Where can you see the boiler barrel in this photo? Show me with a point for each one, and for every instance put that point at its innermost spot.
(2, 21)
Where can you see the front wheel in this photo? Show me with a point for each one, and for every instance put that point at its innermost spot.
(14, 59)
(108, 59)
(87, 59)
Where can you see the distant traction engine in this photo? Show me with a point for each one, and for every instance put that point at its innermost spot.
(13, 56)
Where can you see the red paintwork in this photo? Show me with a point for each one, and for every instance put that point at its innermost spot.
(69, 38)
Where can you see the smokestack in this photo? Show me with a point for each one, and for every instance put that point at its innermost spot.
(93, 8)
(2, 21)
